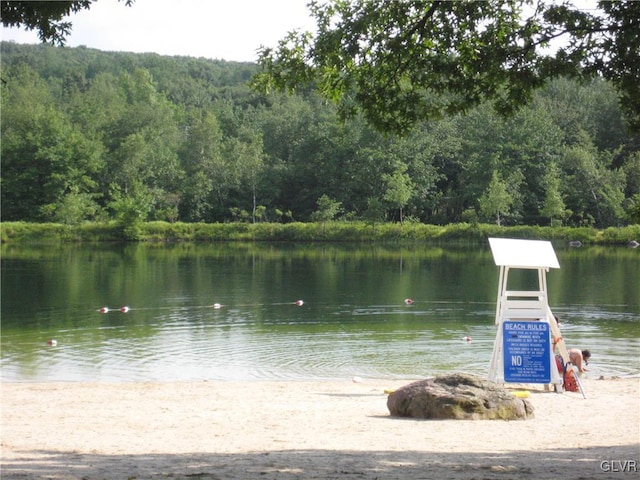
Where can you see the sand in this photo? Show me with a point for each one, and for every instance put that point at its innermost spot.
(306, 430)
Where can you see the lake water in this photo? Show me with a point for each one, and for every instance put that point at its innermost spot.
(353, 320)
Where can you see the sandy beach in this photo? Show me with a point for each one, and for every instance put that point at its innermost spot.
(306, 430)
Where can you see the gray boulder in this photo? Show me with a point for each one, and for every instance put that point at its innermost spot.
(458, 396)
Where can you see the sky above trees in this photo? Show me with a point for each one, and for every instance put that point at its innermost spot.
(225, 30)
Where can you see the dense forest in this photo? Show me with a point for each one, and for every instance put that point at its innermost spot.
(91, 135)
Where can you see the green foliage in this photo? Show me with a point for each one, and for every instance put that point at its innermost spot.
(496, 201)
(72, 209)
(130, 212)
(327, 210)
(45, 17)
(375, 210)
(90, 136)
(622, 235)
(595, 192)
(26, 232)
(45, 158)
(22, 232)
(400, 62)
(632, 209)
(553, 202)
(399, 188)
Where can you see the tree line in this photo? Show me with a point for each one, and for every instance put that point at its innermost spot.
(98, 136)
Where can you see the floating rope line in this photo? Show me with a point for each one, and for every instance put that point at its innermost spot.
(217, 306)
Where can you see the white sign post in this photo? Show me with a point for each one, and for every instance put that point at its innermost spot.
(528, 334)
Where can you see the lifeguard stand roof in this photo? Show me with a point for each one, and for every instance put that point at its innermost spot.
(517, 253)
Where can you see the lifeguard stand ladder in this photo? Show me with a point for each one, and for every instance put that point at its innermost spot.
(519, 307)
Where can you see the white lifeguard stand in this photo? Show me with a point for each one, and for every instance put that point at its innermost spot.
(521, 306)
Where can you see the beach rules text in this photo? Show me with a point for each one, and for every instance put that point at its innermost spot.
(526, 347)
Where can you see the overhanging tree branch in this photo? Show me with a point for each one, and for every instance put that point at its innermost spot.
(399, 62)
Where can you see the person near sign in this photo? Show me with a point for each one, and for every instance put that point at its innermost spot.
(580, 358)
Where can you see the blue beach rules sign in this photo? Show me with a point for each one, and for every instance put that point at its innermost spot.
(527, 356)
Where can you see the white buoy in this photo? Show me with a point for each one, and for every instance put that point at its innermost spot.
(408, 301)
(52, 343)
(299, 303)
(104, 310)
(124, 309)
(467, 339)
(217, 306)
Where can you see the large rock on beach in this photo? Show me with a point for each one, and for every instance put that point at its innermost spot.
(458, 396)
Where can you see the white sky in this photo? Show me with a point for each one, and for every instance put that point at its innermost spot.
(218, 29)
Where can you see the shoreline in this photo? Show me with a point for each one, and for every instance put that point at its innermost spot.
(161, 232)
(305, 430)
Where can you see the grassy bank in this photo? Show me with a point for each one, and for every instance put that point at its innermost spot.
(22, 232)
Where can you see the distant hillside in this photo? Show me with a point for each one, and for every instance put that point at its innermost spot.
(57, 62)
(100, 136)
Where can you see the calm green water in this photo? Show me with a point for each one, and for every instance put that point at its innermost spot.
(353, 322)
